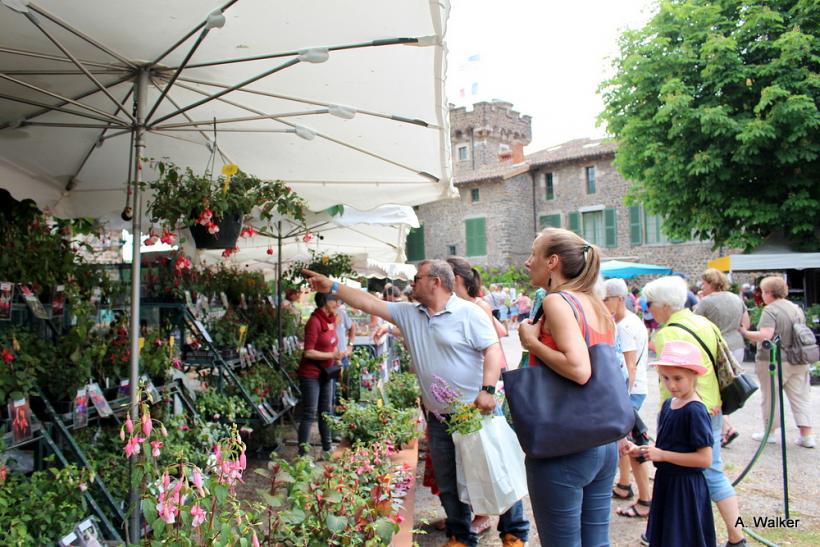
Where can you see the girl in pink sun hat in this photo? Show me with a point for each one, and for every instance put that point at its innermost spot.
(681, 514)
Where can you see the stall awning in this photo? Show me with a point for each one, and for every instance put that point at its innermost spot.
(763, 262)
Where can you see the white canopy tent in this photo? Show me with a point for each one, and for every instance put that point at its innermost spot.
(343, 100)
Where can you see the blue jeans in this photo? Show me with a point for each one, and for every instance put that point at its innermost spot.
(719, 486)
(459, 514)
(571, 496)
(316, 400)
(637, 400)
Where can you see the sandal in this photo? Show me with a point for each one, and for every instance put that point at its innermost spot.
(632, 512)
(729, 437)
(624, 487)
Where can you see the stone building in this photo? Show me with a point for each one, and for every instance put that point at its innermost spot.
(506, 197)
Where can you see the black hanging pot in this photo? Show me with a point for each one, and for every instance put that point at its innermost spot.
(229, 228)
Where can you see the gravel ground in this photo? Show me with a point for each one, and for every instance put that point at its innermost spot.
(760, 493)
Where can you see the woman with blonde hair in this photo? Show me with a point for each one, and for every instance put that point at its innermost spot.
(570, 494)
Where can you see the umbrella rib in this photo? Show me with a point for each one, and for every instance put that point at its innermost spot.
(177, 137)
(372, 43)
(210, 98)
(49, 108)
(79, 65)
(79, 34)
(393, 117)
(177, 73)
(62, 98)
(189, 34)
(192, 123)
(204, 135)
(27, 72)
(71, 180)
(331, 139)
(50, 57)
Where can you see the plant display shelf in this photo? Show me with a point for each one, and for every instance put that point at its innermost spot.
(44, 441)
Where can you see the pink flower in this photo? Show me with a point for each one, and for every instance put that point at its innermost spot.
(147, 426)
(182, 263)
(270, 250)
(129, 425)
(4, 471)
(132, 447)
(307, 237)
(169, 238)
(196, 477)
(205, 217)
(151, 239)
(243, 462)
(83, 487)
(398, 518)
(176, 362)
(247, 231)
(255, 541)
(228, 252)
(155, 446)
(122, 434)
(199, 515)
(213, 228)
(7, 355)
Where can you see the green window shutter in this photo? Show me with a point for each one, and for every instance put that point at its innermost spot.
(635, 231)
(550, 188)
(611, 227)
(574, 222)
(549, 221)
(415, 244)
(476, 229)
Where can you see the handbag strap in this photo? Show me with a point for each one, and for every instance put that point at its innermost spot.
(700, 341)
(576, 305)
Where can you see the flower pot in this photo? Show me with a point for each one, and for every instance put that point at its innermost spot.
(229, 228)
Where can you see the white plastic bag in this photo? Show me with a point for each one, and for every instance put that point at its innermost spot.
(490, 467)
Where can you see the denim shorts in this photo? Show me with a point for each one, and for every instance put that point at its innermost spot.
(637, 400)
(719, 486)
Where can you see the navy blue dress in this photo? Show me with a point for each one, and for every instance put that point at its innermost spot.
(681, 513)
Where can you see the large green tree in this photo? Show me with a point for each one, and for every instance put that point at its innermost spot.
(714, 105)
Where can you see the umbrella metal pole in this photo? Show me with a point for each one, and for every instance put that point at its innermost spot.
(140, 89)
(279, 286)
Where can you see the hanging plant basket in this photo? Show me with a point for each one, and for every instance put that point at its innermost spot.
(229, 228)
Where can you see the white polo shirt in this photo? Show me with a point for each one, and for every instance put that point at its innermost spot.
(448, 344)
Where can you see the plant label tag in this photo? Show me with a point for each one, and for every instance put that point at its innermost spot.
(33, 302)
(6, 300)
(124, 386)
(150, 388)
(80, 412)
(70, 540)
(224, 298)
(98, 399)
(20, 415)
(89, 534)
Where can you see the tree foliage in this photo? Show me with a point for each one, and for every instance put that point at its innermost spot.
(714, 105)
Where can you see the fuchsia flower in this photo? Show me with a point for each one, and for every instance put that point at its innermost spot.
(168, 237)
(205, 217)
(307, 237)
(255, 541)
(155, 446)
(270, 250)
(199, 515)
(213, 228)
(176, 362)
(163, 430)
(147, 426)
(7, 355)
(4, 471)
(151, 239)
(132, 447)
(182, 263)
(196, 477)
(129, 425)
(247, 231)
(228, 252)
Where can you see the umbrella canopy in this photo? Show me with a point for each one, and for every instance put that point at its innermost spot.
(628, 270)
(342, 100)
(383, 270)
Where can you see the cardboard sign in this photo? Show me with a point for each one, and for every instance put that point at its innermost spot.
(89, 533)
(6, 300)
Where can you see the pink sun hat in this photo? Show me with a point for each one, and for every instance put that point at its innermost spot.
(680, 354)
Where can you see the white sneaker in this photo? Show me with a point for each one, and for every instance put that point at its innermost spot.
(759, 437)
(809, 441)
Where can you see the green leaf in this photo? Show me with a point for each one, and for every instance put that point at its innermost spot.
(335, 524)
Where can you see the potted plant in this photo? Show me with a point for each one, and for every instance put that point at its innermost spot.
(215, 208)
(337, 266)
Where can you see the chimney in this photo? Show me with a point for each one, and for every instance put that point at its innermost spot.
(517, 153)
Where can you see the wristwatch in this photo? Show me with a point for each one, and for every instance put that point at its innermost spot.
(334, 287)
(488, 389)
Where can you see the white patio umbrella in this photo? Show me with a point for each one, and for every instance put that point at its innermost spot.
(343, 100)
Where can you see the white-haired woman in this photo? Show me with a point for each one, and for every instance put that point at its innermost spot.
(666, 299)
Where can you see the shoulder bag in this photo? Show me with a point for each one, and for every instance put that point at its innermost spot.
(554, 416)
(735, 385)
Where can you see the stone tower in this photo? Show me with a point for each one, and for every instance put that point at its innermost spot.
(487, 135)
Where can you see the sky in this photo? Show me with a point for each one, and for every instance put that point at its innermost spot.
(547, 57)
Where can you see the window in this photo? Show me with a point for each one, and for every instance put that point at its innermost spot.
(463, 152)
(549, 221)
(474, 195)
(598, 227)
(415, 244)
(653, 228)
(549, 186)
(451, 250)
(646, 228)
(590, 179)
(476, 232)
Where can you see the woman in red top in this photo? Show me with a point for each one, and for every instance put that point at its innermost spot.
(570, 494)
(320, 352)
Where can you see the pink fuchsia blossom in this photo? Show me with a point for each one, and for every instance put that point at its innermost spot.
(176, 362)
(83, 487)
(168, 237)
(147, 425)
(129, 425)
(255, 540)
(155, 447)
(196, 477)
(213, 228)
(7, 355)
(307, 237)
(247, 231)
(199, 515)
(270, 250)
(132, 447)
(205, 217)
(151, 239)
(182, 263)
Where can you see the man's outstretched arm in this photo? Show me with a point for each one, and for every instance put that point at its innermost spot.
(355, 298)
